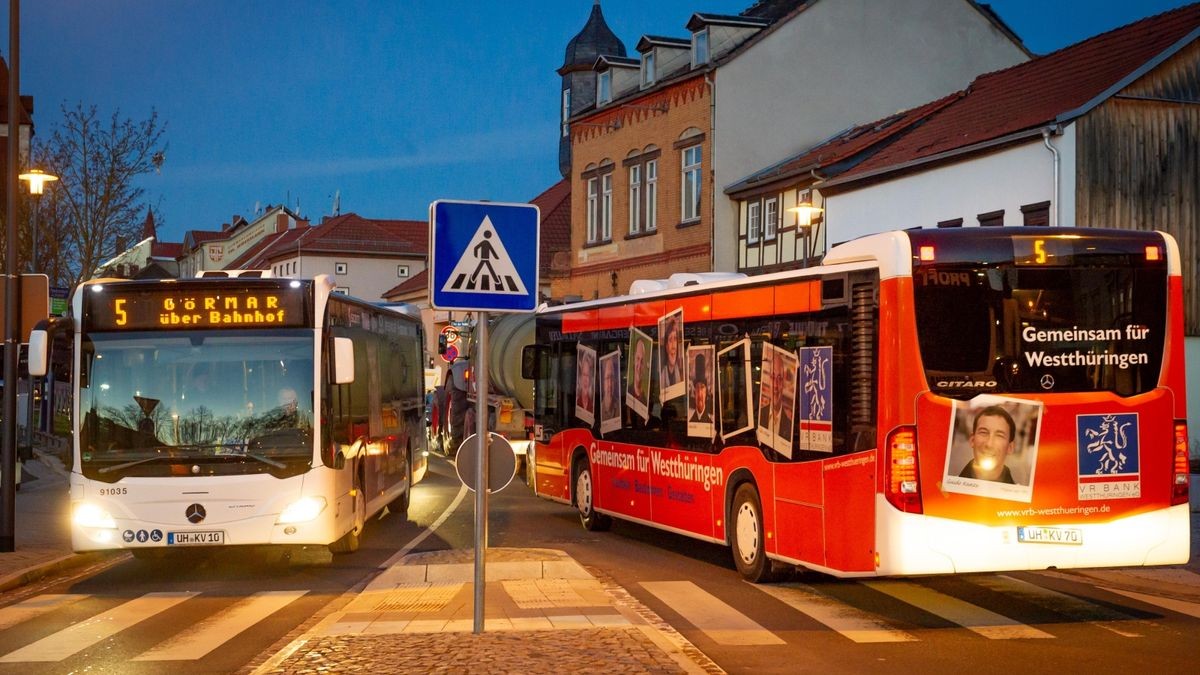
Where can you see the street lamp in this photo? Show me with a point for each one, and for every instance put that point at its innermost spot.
(805, 214)
(37, 180)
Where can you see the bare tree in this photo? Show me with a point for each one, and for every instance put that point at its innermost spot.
(96, 205)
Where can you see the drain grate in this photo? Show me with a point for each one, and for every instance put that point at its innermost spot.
(418, 598)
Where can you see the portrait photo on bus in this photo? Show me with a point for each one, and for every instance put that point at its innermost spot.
(637, 387)
(672, 372)
(610, 392)
(585, 384)
(733, 389)
(992, 451)
(701, 422)
(777, 399)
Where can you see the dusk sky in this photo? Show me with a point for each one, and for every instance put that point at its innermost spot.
(392, 104)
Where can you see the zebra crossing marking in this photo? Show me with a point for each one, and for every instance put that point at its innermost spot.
(1191, 609)
(1061, 603)
(851, 622)
(972, 617)
(34, 607)
(216, 630)
(80, 636)
(720, 622)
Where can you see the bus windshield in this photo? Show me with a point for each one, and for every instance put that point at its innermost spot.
(205, 403)
(1069, 328)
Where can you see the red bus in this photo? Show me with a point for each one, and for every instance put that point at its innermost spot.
(924, 402)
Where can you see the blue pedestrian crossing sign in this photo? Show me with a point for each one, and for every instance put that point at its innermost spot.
(483, 256)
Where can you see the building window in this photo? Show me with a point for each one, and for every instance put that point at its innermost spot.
(593, 205)
(402, 271)
(340, 268)
(635, 199)
(606, 216)
(566, 111)
(753, 221)
(700, 48)
(690, 190)
(992, 219)
(652, 195)
(647, 69)
(957, 222)
(1036, 215)
(344, 290)
(604, 87)
(771, 221)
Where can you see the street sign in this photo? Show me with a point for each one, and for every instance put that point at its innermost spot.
(483, 256)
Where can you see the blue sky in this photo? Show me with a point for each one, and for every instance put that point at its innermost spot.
(391, 104)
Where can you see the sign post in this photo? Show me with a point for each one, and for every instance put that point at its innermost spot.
(483, 257)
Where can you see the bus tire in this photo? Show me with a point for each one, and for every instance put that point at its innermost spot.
(350, 541)
(585, 496)
(399, 505)
(747, 537)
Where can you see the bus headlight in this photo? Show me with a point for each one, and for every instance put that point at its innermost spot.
(302, 510)
(89, 515)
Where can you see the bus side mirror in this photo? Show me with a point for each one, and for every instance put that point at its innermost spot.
(530, 358)
(343, 360)
(39, 351)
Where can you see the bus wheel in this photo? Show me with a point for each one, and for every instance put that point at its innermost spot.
(350, 541)
(584, 497)
(399, 505)
(748, 541)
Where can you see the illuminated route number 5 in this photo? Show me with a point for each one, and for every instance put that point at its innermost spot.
(119, 310)
(1039, 250)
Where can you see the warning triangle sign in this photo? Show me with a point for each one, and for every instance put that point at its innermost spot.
(485, 266)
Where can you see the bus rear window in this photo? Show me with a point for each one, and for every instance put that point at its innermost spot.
(1008, 328)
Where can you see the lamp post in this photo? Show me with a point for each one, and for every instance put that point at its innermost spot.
(37, 180)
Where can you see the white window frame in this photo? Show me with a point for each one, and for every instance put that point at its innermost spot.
(593, 219)
(770, 218)
(692, 161)
(753, 217)
(635, 199)
(604, 87)
(566, 111)
(606, 216)
(700, 48)
(341, 268)
(402, 271)
(648, 73)
(652, 195)
(344, 290)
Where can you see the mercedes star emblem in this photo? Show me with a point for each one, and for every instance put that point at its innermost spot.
(1047, 382)
(195, 513)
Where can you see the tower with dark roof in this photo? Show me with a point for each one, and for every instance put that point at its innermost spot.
(578, 79)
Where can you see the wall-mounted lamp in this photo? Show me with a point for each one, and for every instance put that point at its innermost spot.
(807, 218)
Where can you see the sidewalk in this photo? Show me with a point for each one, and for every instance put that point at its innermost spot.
(42, 526)
(544, 614)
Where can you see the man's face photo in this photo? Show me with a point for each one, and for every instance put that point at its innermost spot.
(991, 443)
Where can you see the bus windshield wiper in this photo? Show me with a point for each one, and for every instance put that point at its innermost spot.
(238, 453)
(126, 465)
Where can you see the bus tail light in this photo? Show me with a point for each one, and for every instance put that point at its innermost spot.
(903, 476)
(1179, 483)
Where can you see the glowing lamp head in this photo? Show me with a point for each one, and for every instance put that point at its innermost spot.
(37, 180)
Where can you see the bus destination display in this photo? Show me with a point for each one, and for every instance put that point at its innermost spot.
(176, 307)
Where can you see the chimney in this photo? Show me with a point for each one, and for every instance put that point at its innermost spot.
(224, 226)
(281, 222)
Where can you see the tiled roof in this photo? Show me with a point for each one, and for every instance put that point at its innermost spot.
(166, 249)
(841, 151)
(1053, 88)
(351, 233)
(258, 256)
(417, 282)
(555, 207)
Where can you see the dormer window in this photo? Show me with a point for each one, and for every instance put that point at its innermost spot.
(604, 87)
(699, 48)
(647, 69)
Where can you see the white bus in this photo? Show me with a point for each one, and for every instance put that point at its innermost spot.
(239, 411)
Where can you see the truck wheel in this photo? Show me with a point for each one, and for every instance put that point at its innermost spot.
(584, 499)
